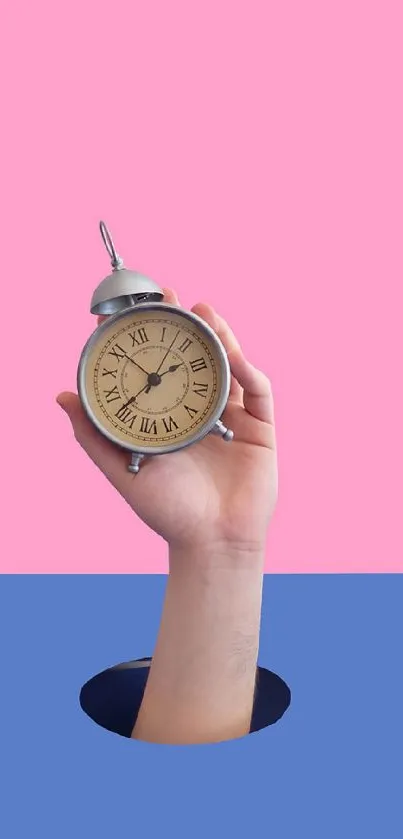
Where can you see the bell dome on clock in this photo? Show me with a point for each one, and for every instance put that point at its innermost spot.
(122, 288)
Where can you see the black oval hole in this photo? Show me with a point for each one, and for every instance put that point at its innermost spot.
(113, 697)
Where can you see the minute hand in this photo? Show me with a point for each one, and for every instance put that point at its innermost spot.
(137, 365)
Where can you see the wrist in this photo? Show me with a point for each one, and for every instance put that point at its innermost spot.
(217, 555)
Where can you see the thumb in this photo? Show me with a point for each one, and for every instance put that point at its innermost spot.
(70, 403)
(84, 431)
(111, 460)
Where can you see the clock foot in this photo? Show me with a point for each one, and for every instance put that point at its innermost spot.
(134, 465)
(223, 432)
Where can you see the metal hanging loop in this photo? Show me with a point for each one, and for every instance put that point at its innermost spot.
(116, 260)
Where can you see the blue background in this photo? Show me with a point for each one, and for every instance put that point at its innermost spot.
(332, 767)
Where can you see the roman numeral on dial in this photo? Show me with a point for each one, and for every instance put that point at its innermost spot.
(117, 352)
(200, 389)
(139, 336)
(169, 424)
(198, 364)
(185, 345)
(125, 415)
(148, 426)
(191, 411)
(112, 373)
(112, 395)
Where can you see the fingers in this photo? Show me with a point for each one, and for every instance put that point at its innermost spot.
(111, 460)
(248, 383)
(257, 393)
(170, 296)
(219, 325)
(225, 335)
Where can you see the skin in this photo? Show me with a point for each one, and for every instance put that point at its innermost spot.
(202, 677)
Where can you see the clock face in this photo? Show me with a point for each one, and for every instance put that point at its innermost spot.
(153, 378)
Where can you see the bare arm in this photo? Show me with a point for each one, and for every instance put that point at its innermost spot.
(202, 678)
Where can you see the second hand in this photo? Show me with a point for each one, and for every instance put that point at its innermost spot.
(168, 350)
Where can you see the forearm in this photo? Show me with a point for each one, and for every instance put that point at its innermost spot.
(202, 678)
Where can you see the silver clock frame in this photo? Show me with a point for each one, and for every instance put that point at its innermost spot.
(214, 424)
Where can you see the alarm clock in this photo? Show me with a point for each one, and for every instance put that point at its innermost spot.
(153, 378)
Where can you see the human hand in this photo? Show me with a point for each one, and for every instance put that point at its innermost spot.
(211, 493)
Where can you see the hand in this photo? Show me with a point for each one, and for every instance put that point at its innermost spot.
(212, 494)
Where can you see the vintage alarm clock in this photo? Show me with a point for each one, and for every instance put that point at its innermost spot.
(153, 377)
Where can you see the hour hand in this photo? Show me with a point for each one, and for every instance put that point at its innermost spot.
(172, 368)
(154, 379)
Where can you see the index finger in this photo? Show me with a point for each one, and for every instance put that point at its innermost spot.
(257, 392)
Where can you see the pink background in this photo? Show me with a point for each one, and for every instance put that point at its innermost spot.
(248, 154)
